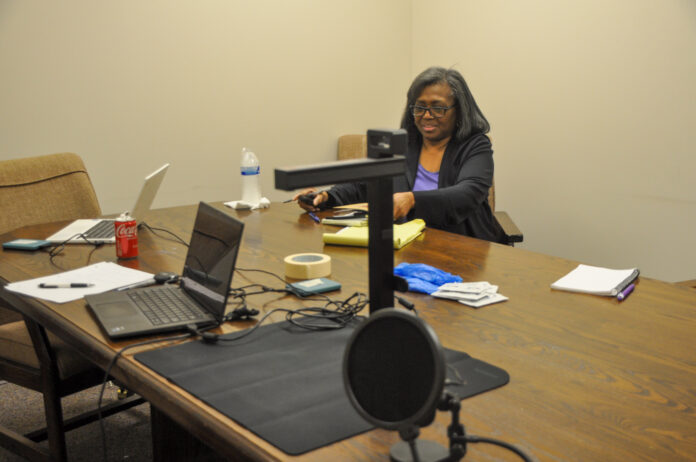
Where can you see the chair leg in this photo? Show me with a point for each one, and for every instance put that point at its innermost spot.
(49, 389)
(23, 446)
(89, 417)
(54, 424)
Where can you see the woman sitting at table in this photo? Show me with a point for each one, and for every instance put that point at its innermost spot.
(449, 161)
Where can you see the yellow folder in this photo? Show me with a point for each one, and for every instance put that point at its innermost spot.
(358, 235)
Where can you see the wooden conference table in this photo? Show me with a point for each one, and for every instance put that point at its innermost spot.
(591, 378)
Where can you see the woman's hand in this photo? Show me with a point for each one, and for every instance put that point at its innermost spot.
(318, 198)
(403, 203)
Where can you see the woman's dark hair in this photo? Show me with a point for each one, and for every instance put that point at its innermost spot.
(470, 120)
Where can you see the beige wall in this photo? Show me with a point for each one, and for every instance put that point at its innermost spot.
(592, 103)
(130, 85)
(592, 106)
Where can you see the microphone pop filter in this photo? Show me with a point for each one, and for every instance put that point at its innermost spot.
(394, 370)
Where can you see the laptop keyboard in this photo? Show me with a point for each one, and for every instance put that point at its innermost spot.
(163, 305)
(102, 230)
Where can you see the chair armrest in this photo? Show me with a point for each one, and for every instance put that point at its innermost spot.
(512, 232)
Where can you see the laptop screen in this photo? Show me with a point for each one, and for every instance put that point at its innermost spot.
(211, 258)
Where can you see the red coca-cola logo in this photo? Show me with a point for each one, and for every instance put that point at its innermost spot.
(126, 230)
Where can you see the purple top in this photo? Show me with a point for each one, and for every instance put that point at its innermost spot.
(425, 180)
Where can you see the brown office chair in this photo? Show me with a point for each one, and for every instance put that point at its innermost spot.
(39, 190)
(355, 146)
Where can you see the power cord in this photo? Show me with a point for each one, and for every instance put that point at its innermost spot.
(154, 231)
(241, 314)
(57, 249)
(311, 318)
(96, 246)
(503, 444)
(457, 434)
(107, 373)
(335, 314)
(406, 304)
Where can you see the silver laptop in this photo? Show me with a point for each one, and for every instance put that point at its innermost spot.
(101, 230)
(201, 297)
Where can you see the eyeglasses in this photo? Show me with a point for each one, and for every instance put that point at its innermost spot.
(436, 112)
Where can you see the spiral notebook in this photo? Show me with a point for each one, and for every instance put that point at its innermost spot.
(596, 280)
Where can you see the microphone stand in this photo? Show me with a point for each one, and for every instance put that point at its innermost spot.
(455, 431)
(411, 449)
(385, 149)
(457, 435)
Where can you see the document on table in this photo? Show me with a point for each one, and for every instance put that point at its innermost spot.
(102, 277)
(596, 280)
(474, 294)
(358, 235)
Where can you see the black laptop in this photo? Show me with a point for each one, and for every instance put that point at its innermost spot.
(199, 299)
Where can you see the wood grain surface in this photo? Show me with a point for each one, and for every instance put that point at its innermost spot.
(591, 378)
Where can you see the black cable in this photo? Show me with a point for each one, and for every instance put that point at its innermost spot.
(508, 446)
(53, 251)
(345, 312)
(306, 317)
(287, 289)
(457, 436)
(406, 304)
(108, 372)
(58, 248)
(96, 246)
(154, 230)
(261, 271)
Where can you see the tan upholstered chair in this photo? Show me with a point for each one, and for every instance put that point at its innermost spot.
(43, 189)
(355, 146)
(352, 147)
(37, 190)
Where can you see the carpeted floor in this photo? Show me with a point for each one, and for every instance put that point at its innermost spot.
(128, 432)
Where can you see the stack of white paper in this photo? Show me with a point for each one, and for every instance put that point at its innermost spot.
(476, 294)
(100, 277)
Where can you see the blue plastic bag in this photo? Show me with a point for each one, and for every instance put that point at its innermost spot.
(424, 278)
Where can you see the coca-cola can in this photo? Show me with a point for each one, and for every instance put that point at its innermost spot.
(126, 230)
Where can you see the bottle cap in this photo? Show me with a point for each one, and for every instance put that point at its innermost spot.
(125, 216)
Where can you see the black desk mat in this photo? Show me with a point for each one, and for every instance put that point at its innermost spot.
(285, 384)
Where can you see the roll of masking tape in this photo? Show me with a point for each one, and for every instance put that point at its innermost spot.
(307, 265)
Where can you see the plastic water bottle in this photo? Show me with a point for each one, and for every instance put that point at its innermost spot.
(251, 190)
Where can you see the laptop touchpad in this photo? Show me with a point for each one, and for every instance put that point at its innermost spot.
(116, 310)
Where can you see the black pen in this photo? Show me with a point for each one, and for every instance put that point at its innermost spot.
(67, 285)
